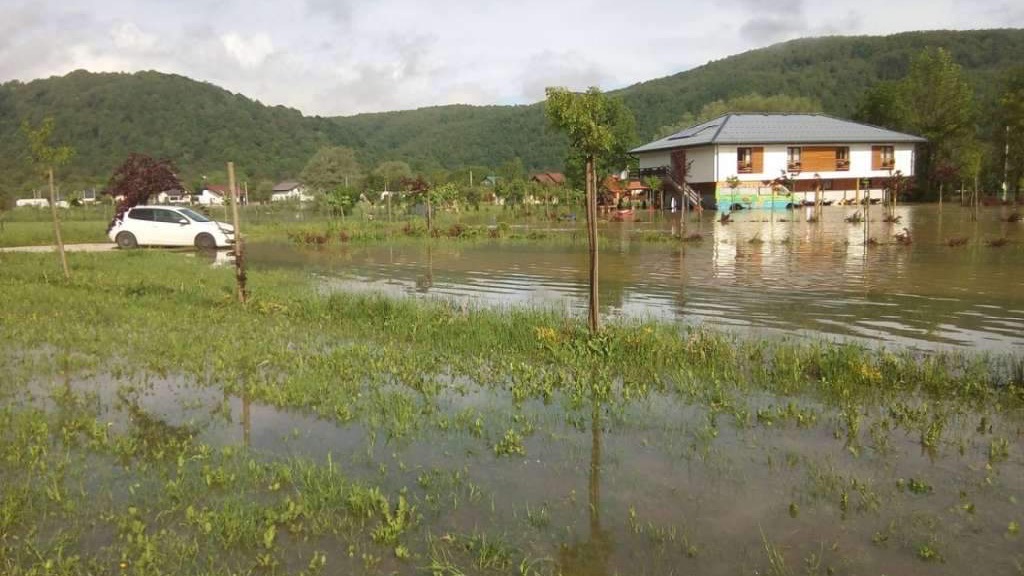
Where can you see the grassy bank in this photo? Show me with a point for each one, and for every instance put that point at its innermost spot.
(122, 386)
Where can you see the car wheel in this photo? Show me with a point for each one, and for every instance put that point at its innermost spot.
(126, 240)
(205, 241)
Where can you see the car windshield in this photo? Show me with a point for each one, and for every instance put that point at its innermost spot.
(193, 215)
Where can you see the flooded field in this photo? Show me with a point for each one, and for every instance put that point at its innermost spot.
(764, 273)
(694, 477)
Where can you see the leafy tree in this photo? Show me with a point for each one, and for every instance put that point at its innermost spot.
(330, 168)
(512, 170)
(138, 178)
(341, 198)
(513, 192)
(589, 119)
(1011, 129)
(884, 105)
(939, 105)
(392, 172)
(47, 157)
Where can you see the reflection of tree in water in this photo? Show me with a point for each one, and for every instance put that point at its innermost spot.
(426, 282)
(153, 433)
(590, 557)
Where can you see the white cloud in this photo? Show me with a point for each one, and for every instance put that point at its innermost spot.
(128, 36)
(333, 57)
(249, 51)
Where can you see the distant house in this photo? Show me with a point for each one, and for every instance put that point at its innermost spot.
(289, 190)
(549, 178)
(632, 190)
(174, 197)
(216, 195)
(773, 160)
(89, 195)
(490, 181)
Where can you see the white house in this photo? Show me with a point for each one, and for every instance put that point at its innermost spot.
(174, 197)
(778, 159)
(289, 190)
(213, 195)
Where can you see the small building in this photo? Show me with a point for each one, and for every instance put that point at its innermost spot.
(775, 160)
(174, 197)
(549, 178)
(490, 181)
(289, 190)
(214, 195)
(615, 188)
(31, 203)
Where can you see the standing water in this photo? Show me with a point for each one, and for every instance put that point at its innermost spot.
(762, 273)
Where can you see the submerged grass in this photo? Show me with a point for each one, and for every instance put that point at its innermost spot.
(82, 496)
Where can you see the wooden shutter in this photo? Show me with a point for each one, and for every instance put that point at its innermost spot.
(818, 158)
(757, 160)
(876, 157)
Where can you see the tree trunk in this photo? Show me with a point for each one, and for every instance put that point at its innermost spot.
(56, 228)
(430, 215)
(593, 320)
(940, 196)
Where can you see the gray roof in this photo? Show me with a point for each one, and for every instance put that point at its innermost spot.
(778, 129)
(286, 186)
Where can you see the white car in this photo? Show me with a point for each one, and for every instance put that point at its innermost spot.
(167, 226)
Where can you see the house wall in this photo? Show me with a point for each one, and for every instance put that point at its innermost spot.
(702, 169)
(775, 162)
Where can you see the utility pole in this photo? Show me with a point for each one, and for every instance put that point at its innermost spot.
(1006, 163)
(243, 293)
(470, 177)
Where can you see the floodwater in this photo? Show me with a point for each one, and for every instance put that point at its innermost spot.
(763, 273)
(654, 486)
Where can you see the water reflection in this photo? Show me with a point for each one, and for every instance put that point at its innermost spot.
(761, 273)
(590, 557)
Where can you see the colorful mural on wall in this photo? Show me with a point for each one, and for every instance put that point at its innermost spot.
(751, 196)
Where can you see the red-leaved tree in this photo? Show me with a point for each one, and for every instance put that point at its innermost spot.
(138, 178)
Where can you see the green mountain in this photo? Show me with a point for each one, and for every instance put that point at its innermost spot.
(200, 126)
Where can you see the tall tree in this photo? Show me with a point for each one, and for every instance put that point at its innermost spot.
(939, 105)
(392, 172)
(138, 178)
(47, 157)
(331, 167)
(589, 120)
(1010, 132)
(883, 105)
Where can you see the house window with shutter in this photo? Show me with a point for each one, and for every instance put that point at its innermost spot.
(843, 158)
(744, 160)
(883, 158)
(793, 163)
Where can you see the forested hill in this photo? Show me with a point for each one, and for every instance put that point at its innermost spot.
(199, 126)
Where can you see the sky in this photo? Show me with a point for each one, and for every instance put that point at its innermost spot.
(342, 57)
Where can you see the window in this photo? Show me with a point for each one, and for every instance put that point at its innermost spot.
(141, 214)
(793, 158)
(194, 215)
(883, 158)
(842, 158)
(744, 160)
(168, 216)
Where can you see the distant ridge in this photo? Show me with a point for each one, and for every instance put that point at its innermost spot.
(199, 125)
